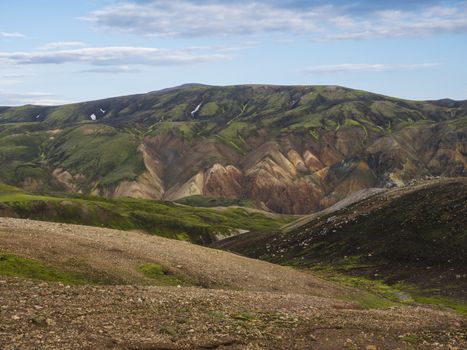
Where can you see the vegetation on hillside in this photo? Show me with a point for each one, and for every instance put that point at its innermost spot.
(198, 225)
(37, 140)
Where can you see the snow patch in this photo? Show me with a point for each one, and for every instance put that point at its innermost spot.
(102, 110)
(38, 116)
(193, 112)
(93, 116)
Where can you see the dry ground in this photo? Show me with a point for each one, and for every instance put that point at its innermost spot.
(232, 303)
(115, 256)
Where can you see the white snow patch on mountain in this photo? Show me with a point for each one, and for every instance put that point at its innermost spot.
(193, 112)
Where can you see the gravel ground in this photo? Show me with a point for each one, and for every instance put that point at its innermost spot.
(117, 254)
(272, 307)
(37, 315)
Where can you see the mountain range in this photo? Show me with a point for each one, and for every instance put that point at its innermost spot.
(285, 149)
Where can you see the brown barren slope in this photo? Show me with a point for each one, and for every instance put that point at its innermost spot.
(245, 304)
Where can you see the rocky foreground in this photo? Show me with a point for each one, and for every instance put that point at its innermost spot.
(222, 301)
(37, 315)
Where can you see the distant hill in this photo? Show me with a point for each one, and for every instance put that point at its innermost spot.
(182, 222)
(288, 149)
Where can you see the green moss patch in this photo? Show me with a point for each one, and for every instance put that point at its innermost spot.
(244, 316)
(15, 266)
(375, 294)
(458, 306)
(159, 275)
(381, 295)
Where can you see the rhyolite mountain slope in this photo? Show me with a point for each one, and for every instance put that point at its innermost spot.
(289, 149)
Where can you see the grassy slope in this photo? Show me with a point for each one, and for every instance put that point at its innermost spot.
(207, 202)
(167, 219)
(103, 154)
(416, 242)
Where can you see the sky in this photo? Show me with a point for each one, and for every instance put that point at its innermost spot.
(55, 52)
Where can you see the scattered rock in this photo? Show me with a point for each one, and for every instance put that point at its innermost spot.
(38, 321)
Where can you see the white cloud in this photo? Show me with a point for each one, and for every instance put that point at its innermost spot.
(11, 35)
(366, 67)
(57, 45)
(12, 76)
(192, 18)
(396, 24)
(4, 82)
(188, 18)
(111, 56)
(35, 98)
(112, 70)
(11, 79)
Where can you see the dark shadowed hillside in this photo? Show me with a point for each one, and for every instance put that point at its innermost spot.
(415, 235)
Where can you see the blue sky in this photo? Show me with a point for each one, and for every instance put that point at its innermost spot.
(55, 51)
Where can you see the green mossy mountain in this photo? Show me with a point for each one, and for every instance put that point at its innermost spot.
(288, 149)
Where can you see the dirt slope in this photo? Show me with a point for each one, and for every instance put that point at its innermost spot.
(255, 305)
(114, 256)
